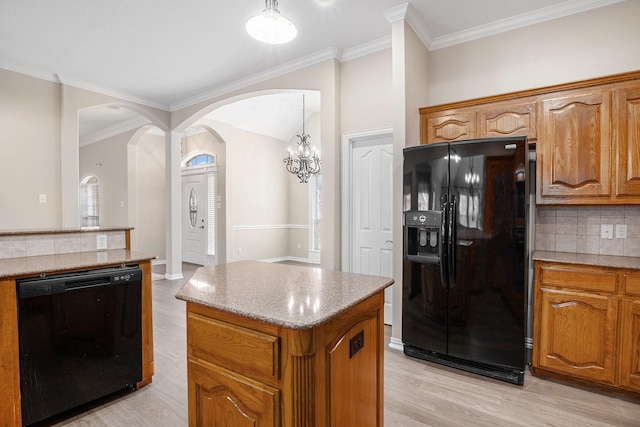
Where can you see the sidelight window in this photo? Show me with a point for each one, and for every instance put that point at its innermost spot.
(90, 201)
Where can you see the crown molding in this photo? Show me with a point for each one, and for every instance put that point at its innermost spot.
(114, 130)
(82, 84)
(524, 20)
(28, 71)
(304, 62)
(366, 49)
(408, 13)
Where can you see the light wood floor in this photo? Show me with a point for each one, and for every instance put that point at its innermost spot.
(417, 393)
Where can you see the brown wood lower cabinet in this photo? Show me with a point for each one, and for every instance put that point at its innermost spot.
(245, 372)
(587, 325)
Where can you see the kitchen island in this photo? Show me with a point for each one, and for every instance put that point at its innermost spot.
(279, 345)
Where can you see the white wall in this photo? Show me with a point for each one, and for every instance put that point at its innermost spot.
(107, 160)
(151, 195)
(591, 44)
(29, 152)
(73, 100)
(410, 60)
(324, 77)
(367, 102)
(258, 193)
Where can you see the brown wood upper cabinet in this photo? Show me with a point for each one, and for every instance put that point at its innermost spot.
(627, 107)
(494, 119)
(448, 126)
(509, 119)
(587, 135)
(575, 150)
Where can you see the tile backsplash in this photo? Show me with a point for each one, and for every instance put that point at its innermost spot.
(577, 229)
(21, 245)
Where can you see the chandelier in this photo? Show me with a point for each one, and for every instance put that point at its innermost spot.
(306, 162)
(270, 26)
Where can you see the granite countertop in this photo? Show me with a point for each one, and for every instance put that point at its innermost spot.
(588, 259)
(31, 265)
(62, 230)
(283, 295)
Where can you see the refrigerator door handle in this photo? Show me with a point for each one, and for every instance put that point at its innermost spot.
(442, 253)
(451, 246)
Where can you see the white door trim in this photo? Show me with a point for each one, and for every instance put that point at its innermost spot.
(347, 210)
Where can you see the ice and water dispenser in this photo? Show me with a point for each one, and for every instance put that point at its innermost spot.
(423, 233)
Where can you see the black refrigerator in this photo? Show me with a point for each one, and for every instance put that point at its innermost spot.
(464, 266)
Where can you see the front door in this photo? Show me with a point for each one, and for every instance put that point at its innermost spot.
(372, 225)
(198, 216)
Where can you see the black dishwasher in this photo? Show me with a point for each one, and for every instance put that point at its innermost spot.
(80, 338)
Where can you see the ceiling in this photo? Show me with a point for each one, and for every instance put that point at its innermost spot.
(170, 54)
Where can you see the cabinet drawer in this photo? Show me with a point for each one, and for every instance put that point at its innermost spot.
(632, 285)
(577, 278)
(238, 349)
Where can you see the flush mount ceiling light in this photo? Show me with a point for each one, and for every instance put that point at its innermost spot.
(270, 26)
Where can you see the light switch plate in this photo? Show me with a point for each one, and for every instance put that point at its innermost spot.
(606, 231)
(101, 241)
(621, 231)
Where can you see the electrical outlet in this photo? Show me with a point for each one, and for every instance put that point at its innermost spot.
(101, 241)
(606, 231)
(621, 231)
(42, 198)
(239, 250)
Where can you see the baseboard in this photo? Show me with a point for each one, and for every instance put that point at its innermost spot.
(174, 276)
(396, 344)
(291, 258)
(158, 262)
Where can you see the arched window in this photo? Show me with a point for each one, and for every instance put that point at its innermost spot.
(201, 159)
(90, 201)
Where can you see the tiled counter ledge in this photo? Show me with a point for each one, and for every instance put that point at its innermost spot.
(33, 265)
(289, 345)
(35, 242)
(588, 259)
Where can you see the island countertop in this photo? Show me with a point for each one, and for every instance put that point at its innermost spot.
(289, 296)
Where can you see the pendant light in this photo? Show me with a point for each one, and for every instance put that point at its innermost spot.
(270, 26)
(304, 162)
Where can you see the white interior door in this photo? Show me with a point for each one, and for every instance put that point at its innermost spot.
(194, 215)
(372, 225)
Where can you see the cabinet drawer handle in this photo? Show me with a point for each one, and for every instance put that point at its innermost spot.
(564, 304)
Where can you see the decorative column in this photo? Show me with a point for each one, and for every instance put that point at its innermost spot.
(173, 217)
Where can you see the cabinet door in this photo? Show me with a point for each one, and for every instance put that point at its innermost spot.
(630, 345)
(508, 119)
(448, 127)
(353, 367)
(220, 398)
(627, 102)
(577, 334)
(574, 151)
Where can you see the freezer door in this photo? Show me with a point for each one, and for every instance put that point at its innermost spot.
(487, 283)
(424, 299)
